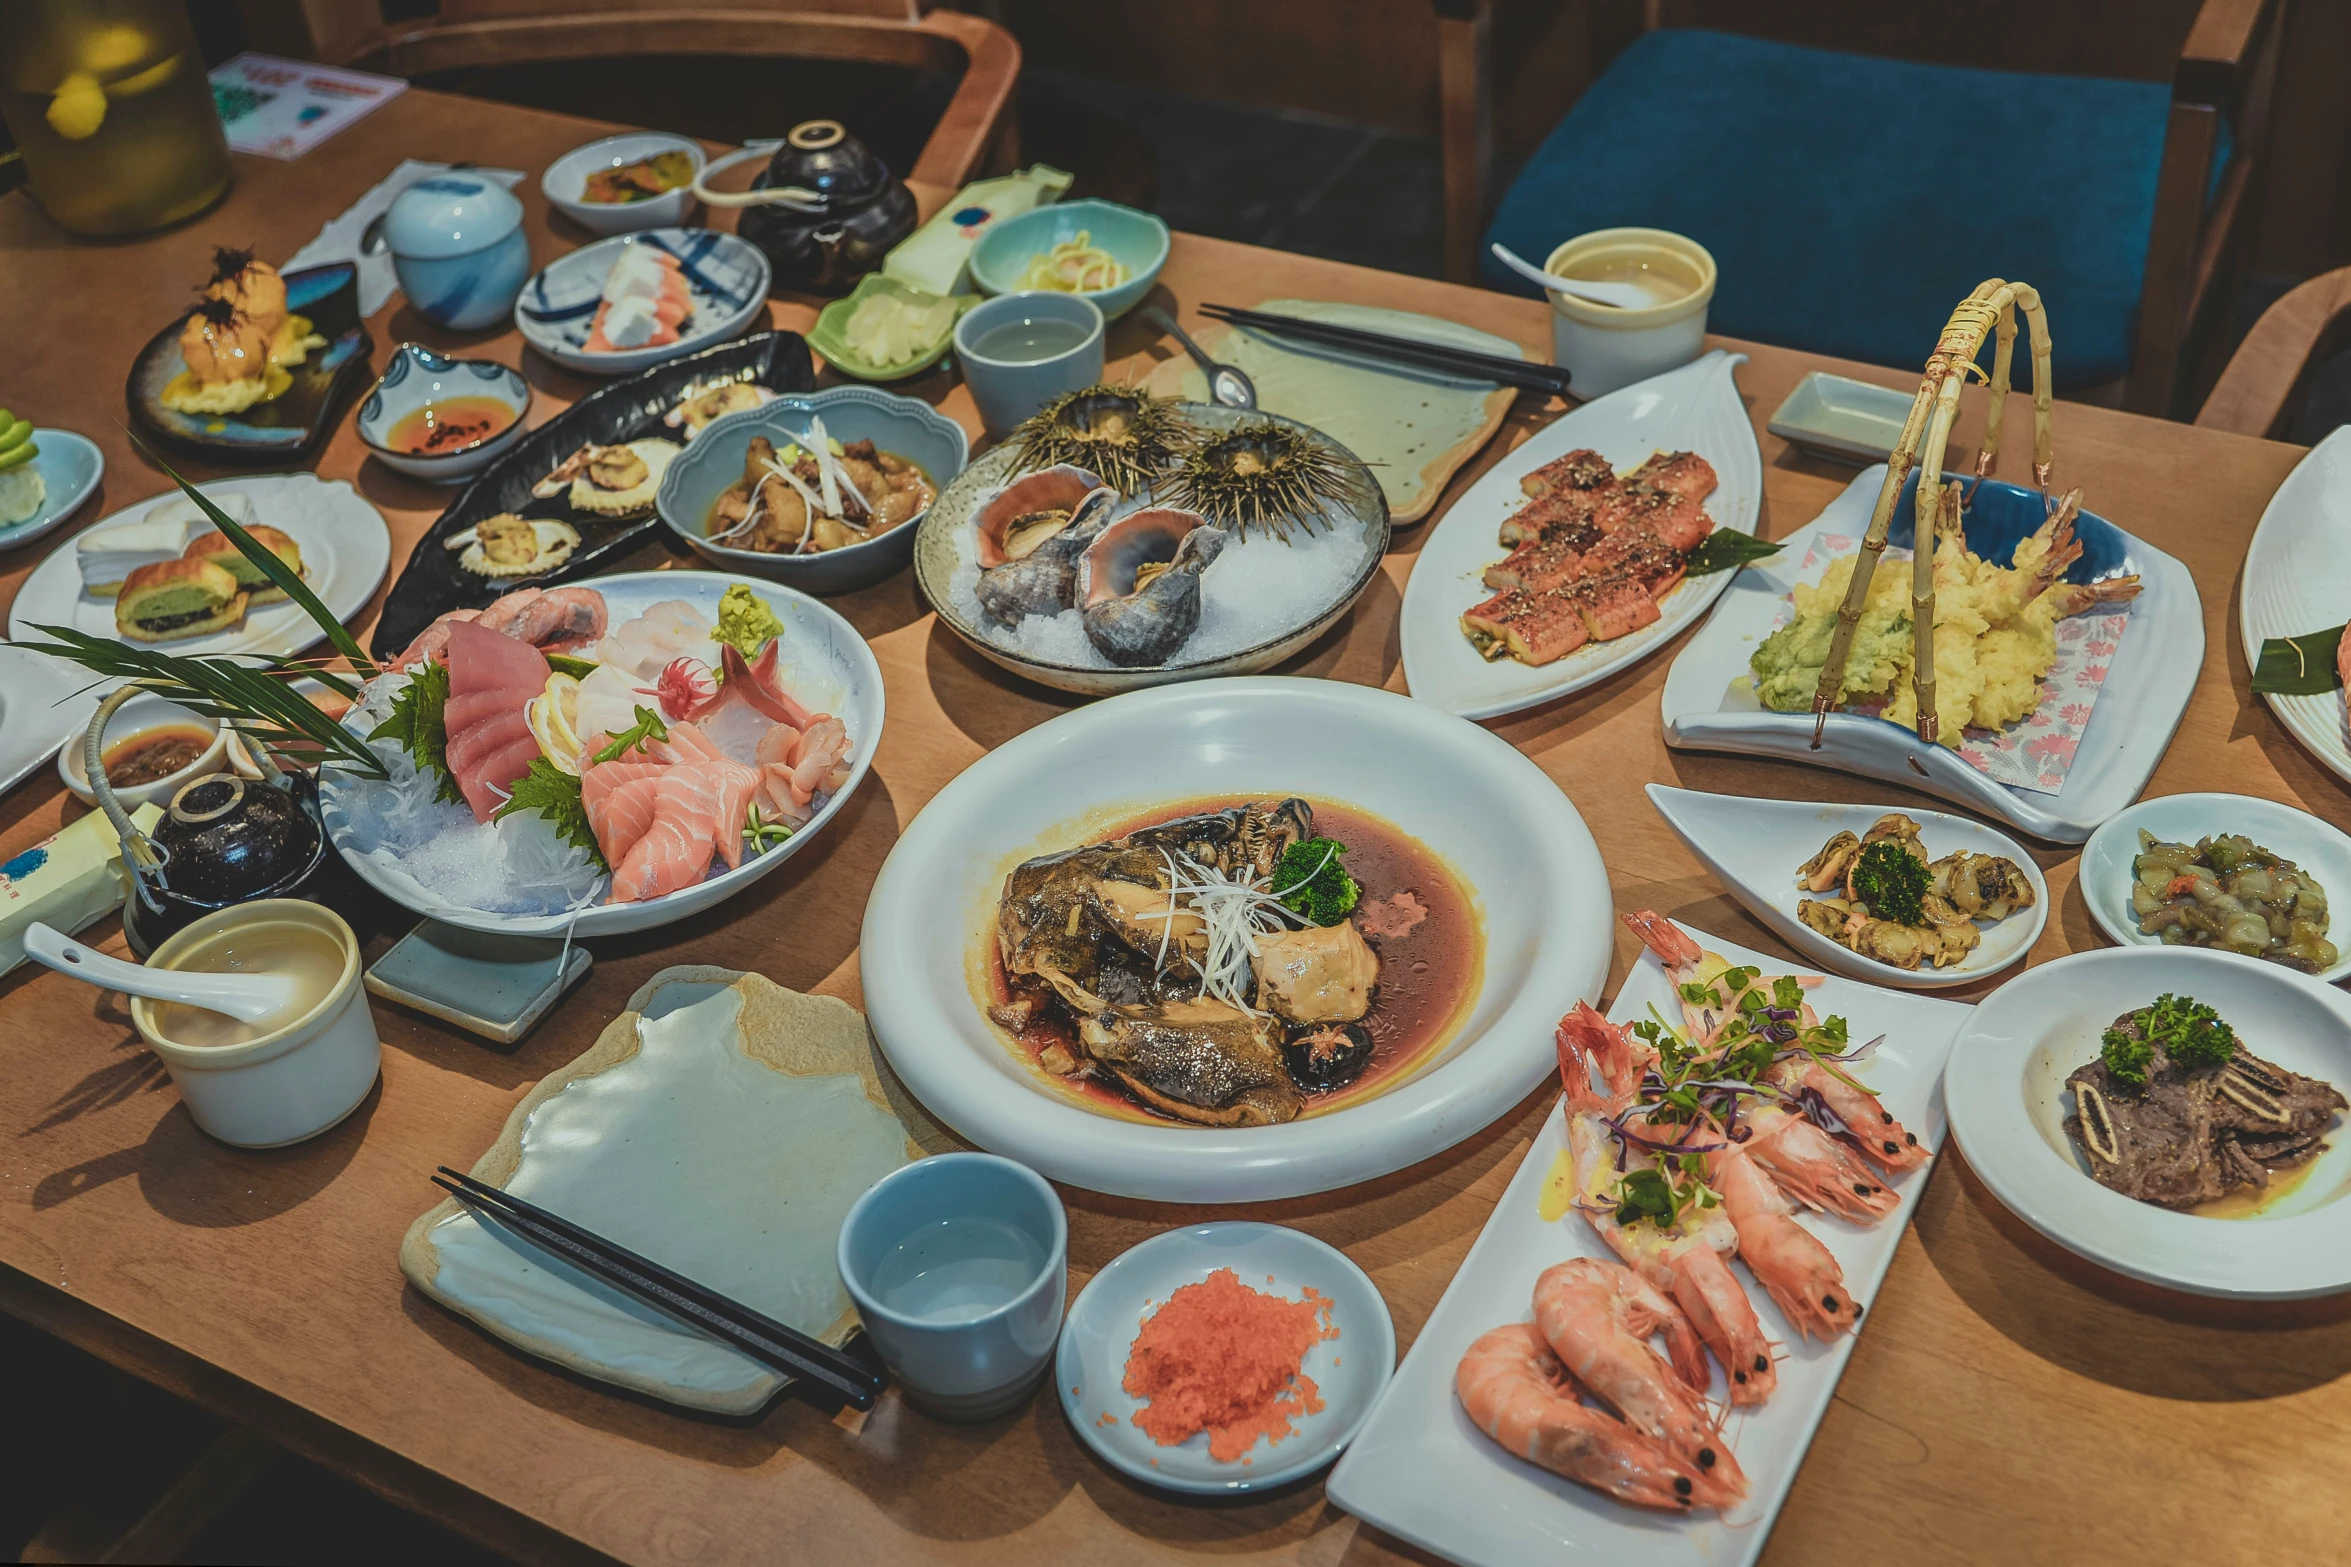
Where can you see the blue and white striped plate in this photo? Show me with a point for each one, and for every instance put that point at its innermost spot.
(727, 277)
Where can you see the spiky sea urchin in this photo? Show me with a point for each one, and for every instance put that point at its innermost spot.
(1124, 437)
(1265, 474)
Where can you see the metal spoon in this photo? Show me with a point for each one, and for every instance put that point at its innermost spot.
(249, 998)
(1621, 296)
(1226, 385)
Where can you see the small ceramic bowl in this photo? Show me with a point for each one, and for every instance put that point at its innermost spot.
(910, 428)
(1606, 348)
(293, 1082)
(1137, 239)
(830, 338)
(459, 249)
(418, 376)
(726, 283)
(565, 183)
(139, 714)
(70, 467)
(1007, 390)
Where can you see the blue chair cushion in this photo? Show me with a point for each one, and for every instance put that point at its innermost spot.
(1850, 202)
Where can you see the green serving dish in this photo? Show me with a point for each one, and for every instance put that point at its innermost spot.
(830, 338)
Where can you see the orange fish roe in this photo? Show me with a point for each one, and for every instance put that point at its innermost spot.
(1223, 1358)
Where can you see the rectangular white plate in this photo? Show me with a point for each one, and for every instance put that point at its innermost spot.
(1836, 416)
(1422, 1472)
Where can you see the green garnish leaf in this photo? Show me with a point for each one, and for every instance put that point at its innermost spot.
(2299, 666)
(547, 790)
(1646, 1194)
(566, 664)
(1699, 995)
(1727, 549)
(643, 732)
(1310, 881)
(416, 726)
(1893, 882)
(1786, 993)
(2191, 1034)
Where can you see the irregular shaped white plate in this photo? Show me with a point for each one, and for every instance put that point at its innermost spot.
(1349, 1371)
(726, 277)
(825, 664)
(1754, 846)
(692, 1152)
(1695, 408)
(2006, 1087)
(1421, 1471)
(43, 704)
(2147, 688)
(2298, 578)
(1526, 858)
(346, 548)
(2106, 875)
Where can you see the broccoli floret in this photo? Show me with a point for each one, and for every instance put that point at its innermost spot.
(1893, 882)
(1310, 881)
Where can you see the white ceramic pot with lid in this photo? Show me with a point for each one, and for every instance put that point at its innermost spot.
(459, 250)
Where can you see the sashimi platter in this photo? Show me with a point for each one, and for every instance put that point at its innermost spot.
(600, 759)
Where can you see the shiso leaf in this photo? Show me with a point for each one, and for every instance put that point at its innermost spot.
(566, 664)
(547, 790)
(2299, 666)
(1727, 549)
(416, 726)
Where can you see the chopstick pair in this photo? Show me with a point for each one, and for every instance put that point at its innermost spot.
(761, 1337)
(1523, 374)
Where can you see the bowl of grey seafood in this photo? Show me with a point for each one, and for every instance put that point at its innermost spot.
(1117, 541)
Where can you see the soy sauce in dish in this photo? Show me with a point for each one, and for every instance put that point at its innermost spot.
(448, 425)
(154, 754)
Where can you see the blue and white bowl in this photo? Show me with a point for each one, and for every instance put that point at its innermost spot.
(726, 277)
(565, 184)
(417, 376)
(458, 249)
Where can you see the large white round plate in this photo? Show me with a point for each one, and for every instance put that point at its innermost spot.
(1089, 1368)
(1754, 846)
(2106, 875)
(345, 551)
(727, 278)
(1695, 408)
(43, 704)
(1517, 845)
(2298, 578)
(2005, 1089)
(827, 666)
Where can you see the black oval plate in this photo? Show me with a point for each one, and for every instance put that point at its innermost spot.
(289, 427)
(433, 583)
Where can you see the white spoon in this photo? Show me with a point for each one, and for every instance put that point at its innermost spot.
(249, 998)
(1622, 296)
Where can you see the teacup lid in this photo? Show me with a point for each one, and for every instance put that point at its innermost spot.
(453, 214)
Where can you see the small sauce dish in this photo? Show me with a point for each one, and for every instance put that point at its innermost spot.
(143, 735)
(565, 183)
(443, 420)
(1605, 348)
(264, 1085)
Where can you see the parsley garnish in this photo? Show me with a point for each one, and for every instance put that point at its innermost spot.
(2191, 1034)
(1893, 882)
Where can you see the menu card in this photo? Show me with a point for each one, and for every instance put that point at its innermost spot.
(283, 108)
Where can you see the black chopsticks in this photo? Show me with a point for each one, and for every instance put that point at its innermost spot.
(761, 1337)
(1420, 355)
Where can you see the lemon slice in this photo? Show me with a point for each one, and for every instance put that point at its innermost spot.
(551, 716)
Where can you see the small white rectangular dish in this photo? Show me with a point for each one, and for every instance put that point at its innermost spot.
(1708, 707)
(1695, 408)
(1837, 417)
(1420, 1470)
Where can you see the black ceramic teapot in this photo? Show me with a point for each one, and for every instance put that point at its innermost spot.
(825, 209)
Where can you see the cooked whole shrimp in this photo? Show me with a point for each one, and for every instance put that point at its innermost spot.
(1516, 1391)
(1813, 1167)
(1881, 1139)
(1786, 1258)
(1598, 1319)
(1689, 1259)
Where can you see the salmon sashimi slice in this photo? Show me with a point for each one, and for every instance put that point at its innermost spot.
(1684, 473)
(491, 677)
(738, 785)
(676, 848)
(625, 814)
(1534, 628)
(1581, 469)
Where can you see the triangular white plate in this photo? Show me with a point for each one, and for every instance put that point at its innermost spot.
(2298, 578)
(1754, 846)
(1695, 408)
(1706, 708)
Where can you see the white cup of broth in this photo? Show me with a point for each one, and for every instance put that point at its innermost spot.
(1020, 351)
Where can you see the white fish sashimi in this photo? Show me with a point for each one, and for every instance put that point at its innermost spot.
(644, 646)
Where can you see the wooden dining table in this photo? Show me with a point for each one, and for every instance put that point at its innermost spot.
(2008, 1401)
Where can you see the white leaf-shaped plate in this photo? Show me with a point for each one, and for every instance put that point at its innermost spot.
(2298, 578)
(1695, 408)
(1754, 846)
(1708, 707)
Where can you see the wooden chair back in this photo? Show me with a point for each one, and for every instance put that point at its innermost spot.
(973, 134)
(2259, 391)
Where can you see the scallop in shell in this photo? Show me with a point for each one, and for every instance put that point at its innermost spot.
(1030, 510)
(1140, 584)
(511, 546)
(1044, 581)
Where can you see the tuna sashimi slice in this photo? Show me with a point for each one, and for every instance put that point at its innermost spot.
(469, 745)
(490, 678)
(675, 851)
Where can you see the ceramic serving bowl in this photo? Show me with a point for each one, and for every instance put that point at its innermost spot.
(417, 376)
(1604, 347)
(70, 467)
(1137, 239)
(2005, 1088)
(830, 335)
(142, 712)
(714, 461)
(2319, 848)
(726, 284)
(565, 183)
(298, 1079)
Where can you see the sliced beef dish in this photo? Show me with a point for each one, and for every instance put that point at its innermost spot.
(2192, 1134)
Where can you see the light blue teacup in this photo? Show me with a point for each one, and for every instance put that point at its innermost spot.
(459, 249)
(1020, 351)
(959, 1265)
